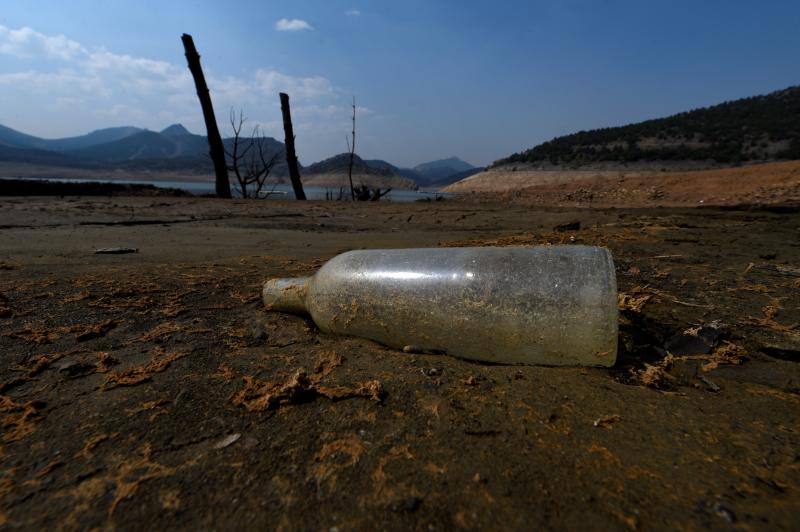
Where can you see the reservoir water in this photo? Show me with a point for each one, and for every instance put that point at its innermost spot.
(270, 191)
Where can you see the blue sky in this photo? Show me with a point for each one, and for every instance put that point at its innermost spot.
(475, 79)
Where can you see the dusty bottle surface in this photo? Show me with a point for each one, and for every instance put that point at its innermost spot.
(551, 305)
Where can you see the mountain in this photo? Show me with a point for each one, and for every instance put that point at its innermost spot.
(452, 178)
(143, 145)
(175, 130)
(175, 149)
(15, 139)
(36, 156)
(130, 148)
(98, 136)
(439, 170)
(758, 128)
(405, 172)
(173, 142)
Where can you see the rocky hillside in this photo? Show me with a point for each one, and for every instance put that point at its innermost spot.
(759, 128)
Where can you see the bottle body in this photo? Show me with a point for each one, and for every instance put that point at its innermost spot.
(553, 305)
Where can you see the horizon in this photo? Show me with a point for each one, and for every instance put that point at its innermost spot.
(430, 81)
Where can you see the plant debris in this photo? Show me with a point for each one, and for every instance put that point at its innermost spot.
(633, 301)
(258, 395)
(133, 376)
(95, 331)
(21, 420)
(606, 421)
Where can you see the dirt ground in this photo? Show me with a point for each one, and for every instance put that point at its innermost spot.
(152, 390)
(775, 182)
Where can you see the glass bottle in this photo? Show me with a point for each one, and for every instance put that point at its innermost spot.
(550, 305)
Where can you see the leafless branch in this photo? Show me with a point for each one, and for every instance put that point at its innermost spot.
(251, 170)
(352, 149)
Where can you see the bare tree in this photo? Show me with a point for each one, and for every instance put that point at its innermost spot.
(291, 154)
(216, 150)
(361, 192)
(365, 193)
(351, 147)
(249, 159)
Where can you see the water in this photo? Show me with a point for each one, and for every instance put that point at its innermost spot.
(281, 192)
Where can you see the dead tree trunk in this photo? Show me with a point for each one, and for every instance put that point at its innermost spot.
(352, 153)
(215, 147)
(291, 156)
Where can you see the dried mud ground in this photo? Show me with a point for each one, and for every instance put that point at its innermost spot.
(152, 390)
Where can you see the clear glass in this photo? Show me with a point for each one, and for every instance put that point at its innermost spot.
(550, 305)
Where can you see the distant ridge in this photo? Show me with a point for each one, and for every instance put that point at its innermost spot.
(440, 170)
(129, 148)
(175, 149)
(759, 128)
(405, 172)
(15, 139)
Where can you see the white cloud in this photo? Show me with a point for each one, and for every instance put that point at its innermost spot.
(25, 43)
(273, 82)
(78, 89)
(353, 12)
(63, 82)
(294, 24)
(341, 112)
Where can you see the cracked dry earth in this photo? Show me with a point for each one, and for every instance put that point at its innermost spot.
(152, 390)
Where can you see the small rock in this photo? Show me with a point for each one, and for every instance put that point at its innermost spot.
(711, 386)
(605, 421)
(227, 440)
(115, 251)
(410, 504)
(695, 341)
(569, 226)
(725, 513)
(76, 369)
(249, 442)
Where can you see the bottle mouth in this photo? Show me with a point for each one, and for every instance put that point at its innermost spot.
(286, 295)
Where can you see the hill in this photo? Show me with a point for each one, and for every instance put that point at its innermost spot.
(15, 139)
(341, 163)
(767, 183)
(454, 178)
(333, 172)
(759, 128)
(440, 170)
(143, 145)
(35, 156)
(405, 172)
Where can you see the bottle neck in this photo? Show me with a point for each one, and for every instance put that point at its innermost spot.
(286, 295)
